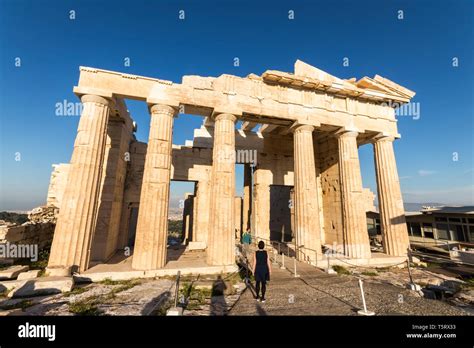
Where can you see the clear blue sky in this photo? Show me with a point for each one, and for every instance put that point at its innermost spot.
(416, 52)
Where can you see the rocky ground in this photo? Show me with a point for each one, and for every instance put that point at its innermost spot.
(434, 286)
(208, 296)
(131, 297)
(317, 293)
(312, 293)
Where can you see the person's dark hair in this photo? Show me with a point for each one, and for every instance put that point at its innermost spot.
(261, 245)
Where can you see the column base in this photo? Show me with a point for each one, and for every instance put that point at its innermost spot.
(59, 271)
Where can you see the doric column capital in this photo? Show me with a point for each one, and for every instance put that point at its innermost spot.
(163, 109)
(347, 134)
(303, 128)
(91, 98)
(381, 137)
(224, 116)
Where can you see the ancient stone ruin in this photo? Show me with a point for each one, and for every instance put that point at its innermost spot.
(302, 174)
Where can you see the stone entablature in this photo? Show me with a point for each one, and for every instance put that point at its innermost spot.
(277, 102)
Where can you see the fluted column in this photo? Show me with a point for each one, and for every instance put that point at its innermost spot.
(152, 225)
(201, 212)
(392, 214)
(356, 237)
(221, 249)
(78, 215)
(247, 202)
(306, 206)
(262, 208)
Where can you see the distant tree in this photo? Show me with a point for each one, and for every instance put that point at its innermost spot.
(175, 227)
(13, 217)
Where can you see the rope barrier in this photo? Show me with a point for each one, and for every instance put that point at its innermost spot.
(354, 265)
(302, 274)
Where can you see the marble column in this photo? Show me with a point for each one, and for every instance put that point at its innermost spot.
(201, 212)
(104, 243)
(78, 216)
(355, 235)
(247, 202)
(152, 227)
(392, 214)
(306, 205)
(221, 248)
(262, 209)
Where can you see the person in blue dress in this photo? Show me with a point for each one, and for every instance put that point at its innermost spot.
(262, 270)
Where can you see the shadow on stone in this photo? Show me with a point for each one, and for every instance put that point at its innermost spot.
(398, 220)
(154, 306)
(218, 303)
(260, 310)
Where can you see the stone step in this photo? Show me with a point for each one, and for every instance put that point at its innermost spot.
(42, 286)
(12, 272)
(28, 275)
(7, 285)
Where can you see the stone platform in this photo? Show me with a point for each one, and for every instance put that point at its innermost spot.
(119, 267)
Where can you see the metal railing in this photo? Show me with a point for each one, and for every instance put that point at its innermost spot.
(297, 253)
(301, 252)
(176, 293)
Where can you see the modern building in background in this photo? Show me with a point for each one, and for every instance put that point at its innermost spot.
(436, 225)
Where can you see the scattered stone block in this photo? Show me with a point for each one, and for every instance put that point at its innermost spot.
(58, 271)
(8, 285)
(42, 286)
(196, 246)
(29, 275)
(200, 285)
(12, 272)
(175, 311)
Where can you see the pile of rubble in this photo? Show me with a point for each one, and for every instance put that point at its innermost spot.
(47, 213)
(38, 230)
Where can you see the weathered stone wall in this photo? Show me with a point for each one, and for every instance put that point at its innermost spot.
(28, 233)
(132, 189)
(57, 184)
(369, 198)
(188, 217)
(274, 167)
(238, 217)
(280, 213)
(119, 136)
(331, 190)
(195, 164)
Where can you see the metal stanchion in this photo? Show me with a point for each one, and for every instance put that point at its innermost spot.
(412, 285)
(282, 261)
(294, 264)
(364, 311)
(176, 311)
(177, 289)
(329, 270)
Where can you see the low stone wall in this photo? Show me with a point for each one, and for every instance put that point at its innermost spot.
(28, 233)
